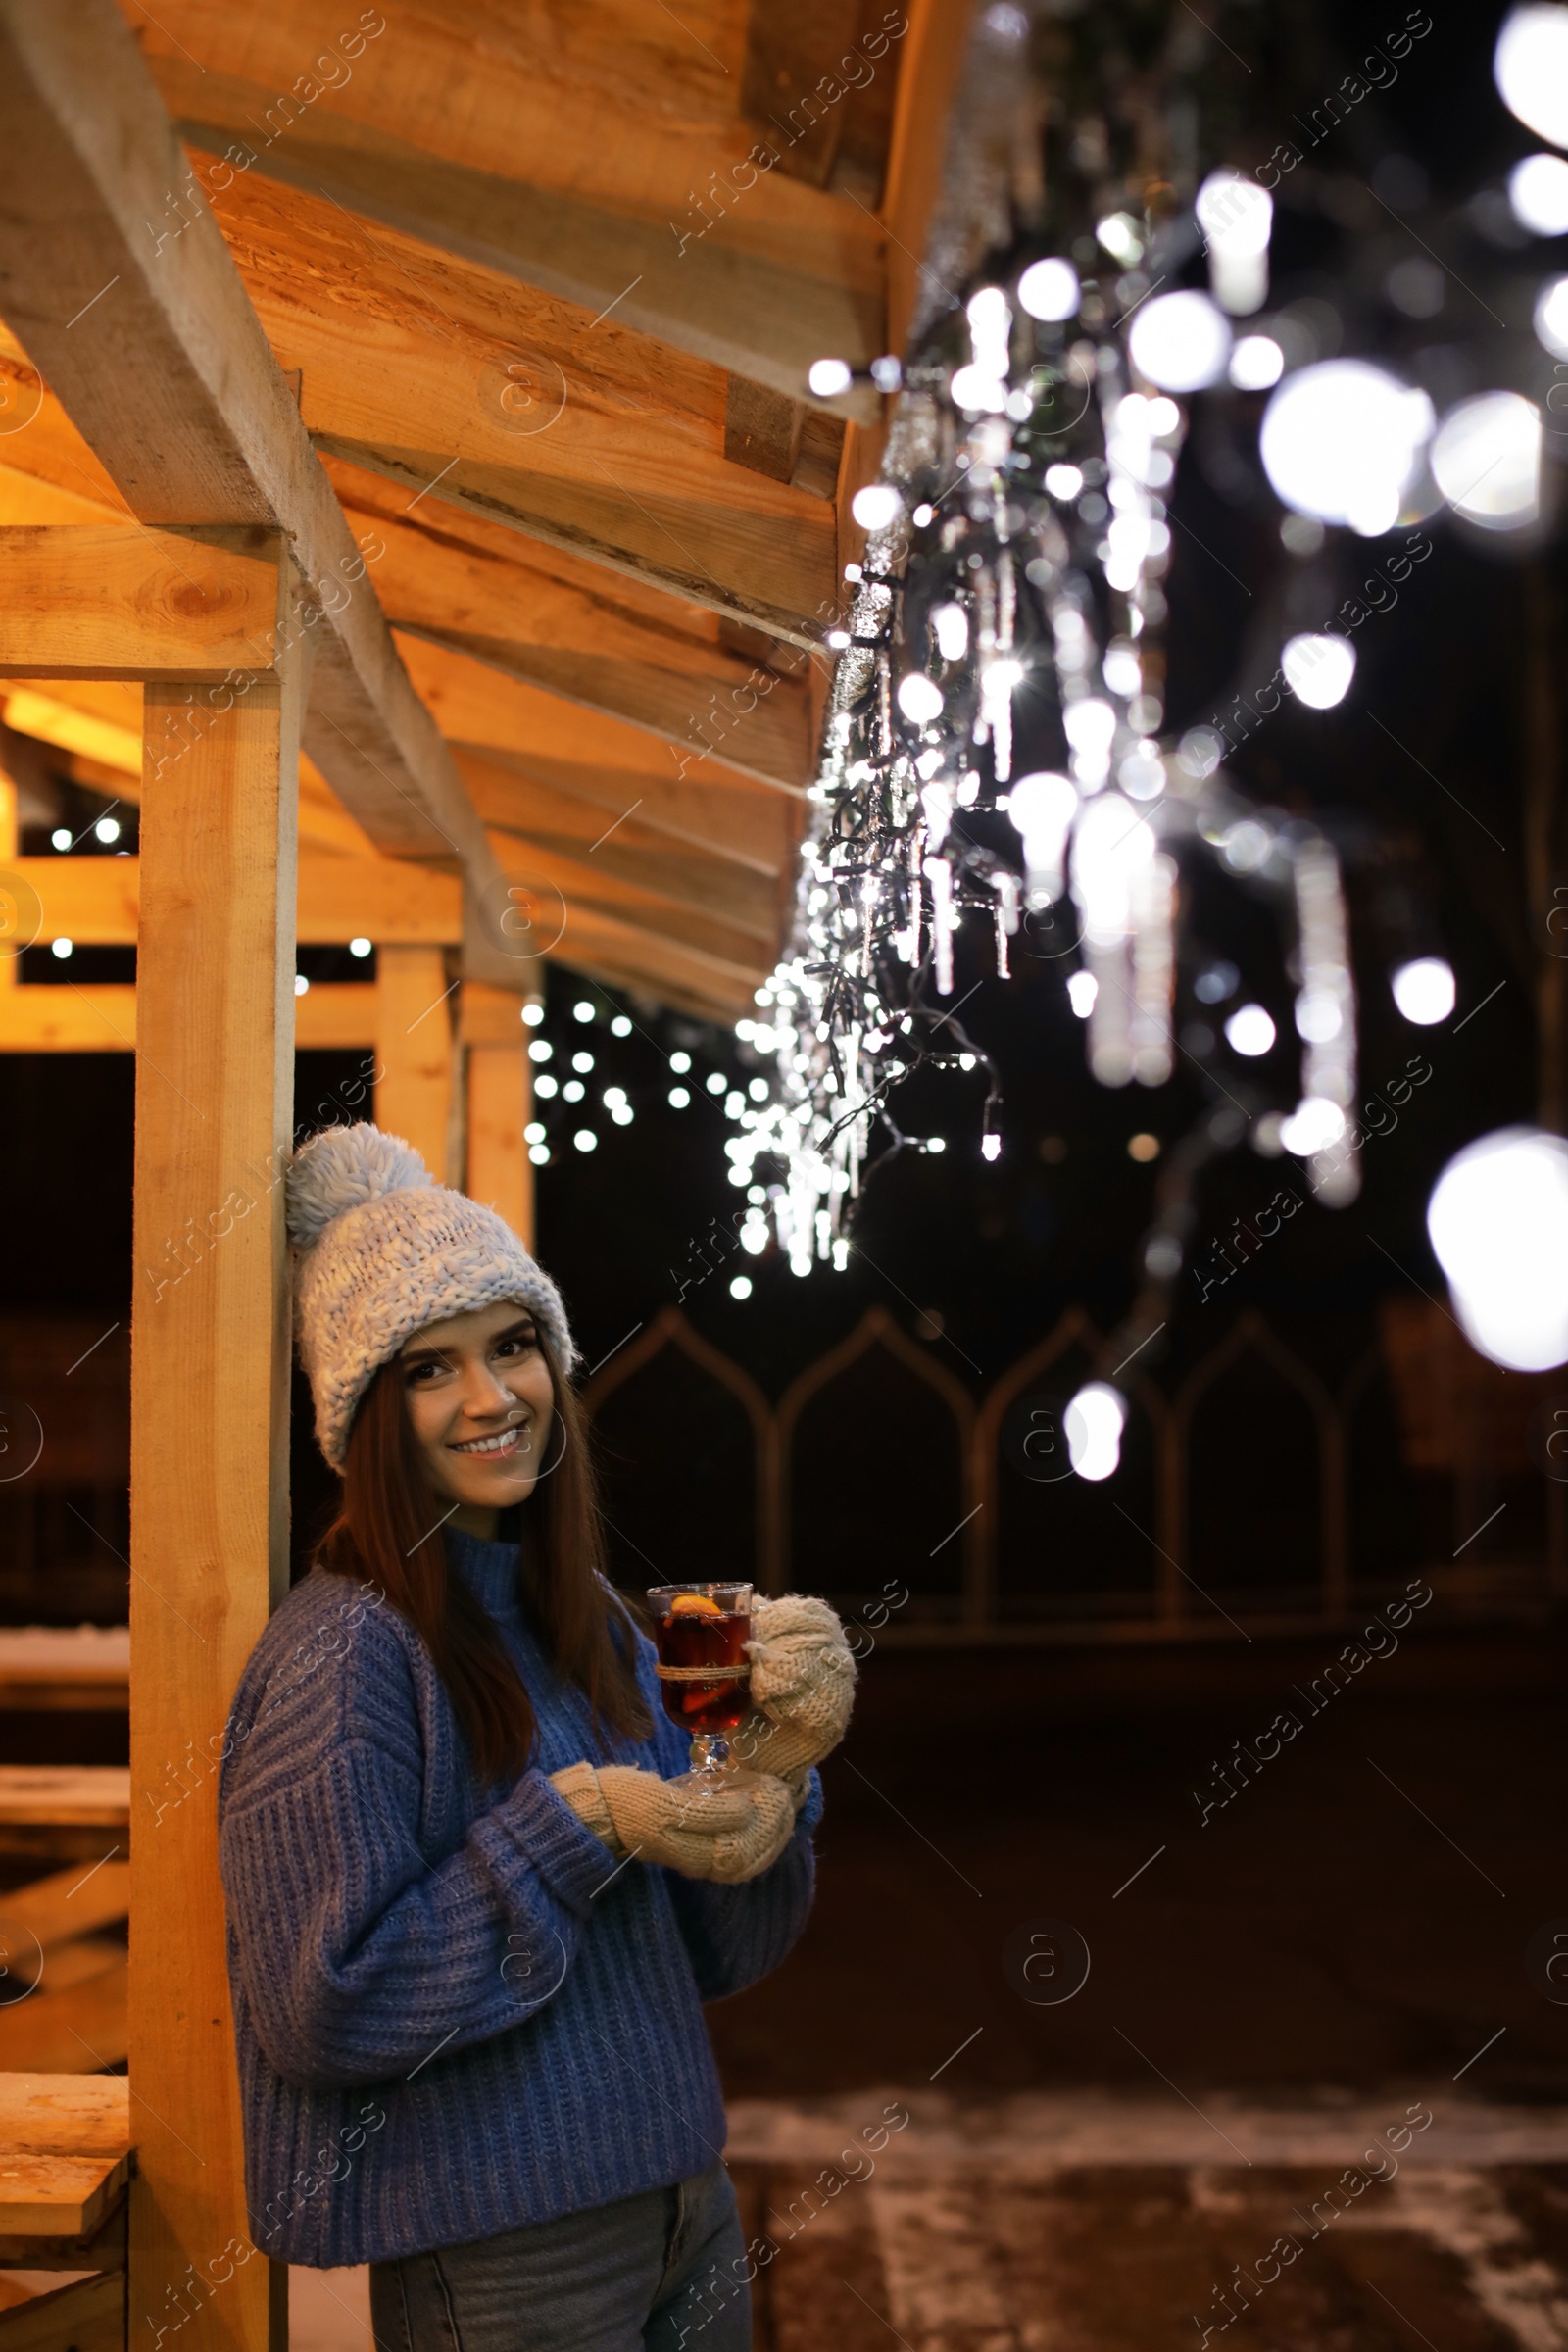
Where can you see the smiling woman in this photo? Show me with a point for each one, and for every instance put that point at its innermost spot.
(480, 1398)
(458, 1861)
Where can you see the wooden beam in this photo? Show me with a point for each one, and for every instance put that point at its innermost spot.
(584, 644)
(88, 2316)
(792, 57)
(629, 963)
(564, 886)
(414, 1047)
(100, 1017)
(99, 600)
(467, 390)
(499, 1080)
(759, 282)
(929, 72)
(67, 2143)
(98, 724)
(691, 795)
(160, 361)
(623, 850)
(94, 900)
(209, 1327)
(928, 81)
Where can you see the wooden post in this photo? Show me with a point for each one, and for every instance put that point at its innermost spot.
(499, 1104)
(209, 1364)
(414, 1050)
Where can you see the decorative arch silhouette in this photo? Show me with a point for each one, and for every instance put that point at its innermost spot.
(1250, 1331)
(670, 1329)
(1073, 1325)
(876, 1328)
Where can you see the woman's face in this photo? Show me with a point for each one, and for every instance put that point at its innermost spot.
(479, 1401)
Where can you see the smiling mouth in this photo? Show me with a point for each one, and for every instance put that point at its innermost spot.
(502, 1443)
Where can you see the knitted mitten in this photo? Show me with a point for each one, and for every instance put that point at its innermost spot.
(730, 1836)
(802, 1686)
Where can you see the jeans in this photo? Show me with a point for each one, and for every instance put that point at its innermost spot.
(652, 2273)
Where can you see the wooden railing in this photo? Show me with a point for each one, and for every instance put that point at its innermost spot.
(1335, 1485)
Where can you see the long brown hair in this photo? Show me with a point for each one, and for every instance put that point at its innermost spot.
(387, 1532)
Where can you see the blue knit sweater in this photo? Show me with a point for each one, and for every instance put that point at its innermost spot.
(455, 2014)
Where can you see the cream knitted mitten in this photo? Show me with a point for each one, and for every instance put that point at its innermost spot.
(730, 1836)
(803, 1688)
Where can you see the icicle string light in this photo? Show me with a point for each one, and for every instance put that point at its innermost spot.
(994, 738)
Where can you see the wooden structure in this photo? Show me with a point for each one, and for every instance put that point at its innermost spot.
(411, 494)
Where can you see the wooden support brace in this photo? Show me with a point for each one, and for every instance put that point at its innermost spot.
(499, 1081)
(414, 1051)
(93, 901)
(209, 1367)
(88, 600)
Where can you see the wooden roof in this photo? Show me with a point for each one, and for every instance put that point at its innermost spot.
(501, 294)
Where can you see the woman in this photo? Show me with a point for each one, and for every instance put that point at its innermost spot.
(471, 1923)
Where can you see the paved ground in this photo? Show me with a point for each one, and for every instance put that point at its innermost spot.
(1093, 2223)
(1102, 2225)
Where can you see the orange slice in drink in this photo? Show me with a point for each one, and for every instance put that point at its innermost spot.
(694, 1604)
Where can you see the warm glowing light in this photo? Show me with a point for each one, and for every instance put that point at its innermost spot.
(533, 1012)
(1111, 847)
(1339, 441)
(1538, 190)
(1121, 237)
(363, 947)
(741, 1287)
(301, 987)
(1486, 460)
(586, 1139)
(1180, 341)
(876, 506)
(1499, 1223)
(1082, 990)
(1424, 989)
(1313, 1126)
(582, 1010)
(1093, 1425)
(979, 391)
(1063, 482)
(951, 623)
(829, 377)
(1530, 66)
(1552, 318)
(1235, 215)
(107, 829)
(1257, 362)
(920, 697)
(1318, 669)
(1250, 1031)
(1043, 808)
(1050, 290)
(989, 315)
(991, 1147)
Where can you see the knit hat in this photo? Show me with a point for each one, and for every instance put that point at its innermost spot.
(383, 1250)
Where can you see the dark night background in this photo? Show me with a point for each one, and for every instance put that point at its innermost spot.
(1318, 1931)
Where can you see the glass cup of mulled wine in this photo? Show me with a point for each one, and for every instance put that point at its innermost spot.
(701, 1631)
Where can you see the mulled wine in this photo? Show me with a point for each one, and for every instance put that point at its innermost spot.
(701, 1631)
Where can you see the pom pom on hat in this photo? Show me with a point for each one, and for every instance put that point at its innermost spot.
(382, 1252)
(343, 1168)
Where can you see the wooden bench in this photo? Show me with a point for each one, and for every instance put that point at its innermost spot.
(73, 2019)
(83, 1668)
(64, 1810)
(65, 2160)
